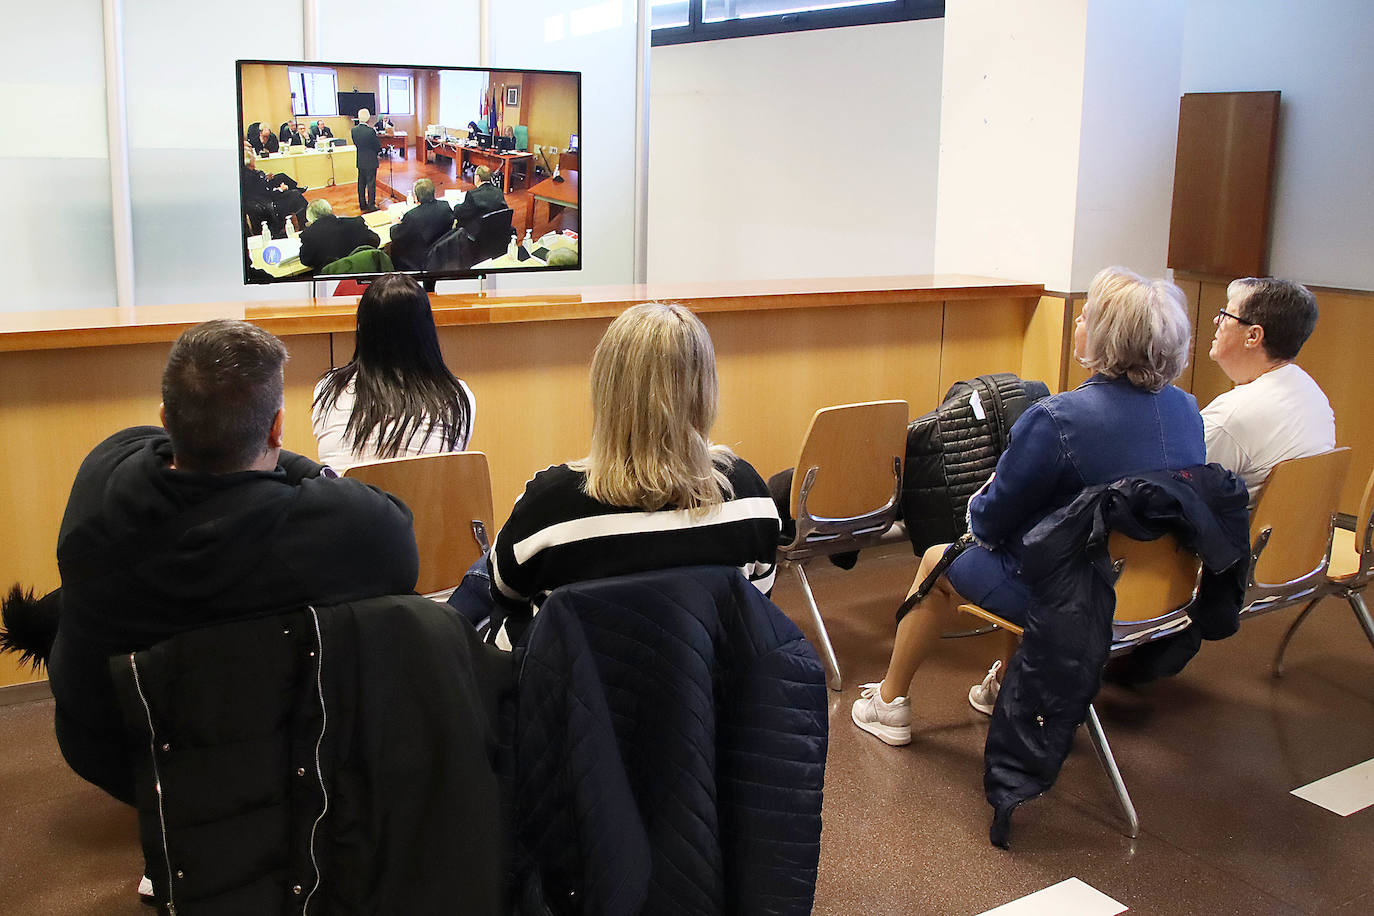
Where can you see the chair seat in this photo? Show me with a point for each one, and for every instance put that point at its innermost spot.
(1345, 559)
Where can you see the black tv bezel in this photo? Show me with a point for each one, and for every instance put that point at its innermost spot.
(421, 275)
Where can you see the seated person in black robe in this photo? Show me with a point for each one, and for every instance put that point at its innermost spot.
(327, 237)
(481, 200)
(267, 141)
(291, 134)
(420, 228)
(317, 130)
(269, 199)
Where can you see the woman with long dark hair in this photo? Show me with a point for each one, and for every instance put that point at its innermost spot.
(395, 397)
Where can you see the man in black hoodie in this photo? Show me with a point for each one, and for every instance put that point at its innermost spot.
(203, 521)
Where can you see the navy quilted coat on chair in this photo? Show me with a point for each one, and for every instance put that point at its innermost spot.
(670, 743)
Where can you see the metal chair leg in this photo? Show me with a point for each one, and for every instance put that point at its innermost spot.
(1104, 754)
(832, 666)
(1292, 629)
(1361, 610)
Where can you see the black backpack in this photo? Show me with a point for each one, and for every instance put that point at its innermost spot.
(952, 451)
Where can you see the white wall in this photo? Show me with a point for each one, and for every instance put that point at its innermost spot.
(58, 238)
(1320, 56)
(1128, 138)
(1009, 134)
(597, 38)
(799, 155)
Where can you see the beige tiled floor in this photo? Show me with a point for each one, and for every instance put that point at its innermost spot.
(1210, 758)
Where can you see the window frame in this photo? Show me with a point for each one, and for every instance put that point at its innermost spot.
(385, 107)
(332, 73)
(696, 30)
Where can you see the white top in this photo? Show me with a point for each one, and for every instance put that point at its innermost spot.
(329, 422)
(1280, 415)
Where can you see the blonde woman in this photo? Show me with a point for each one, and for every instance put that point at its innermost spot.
(653, 493)
(1126, 419)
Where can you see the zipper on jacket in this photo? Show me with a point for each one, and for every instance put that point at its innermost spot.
(157, 783)
(319, 770)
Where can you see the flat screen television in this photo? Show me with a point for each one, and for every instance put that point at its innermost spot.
(310, 206)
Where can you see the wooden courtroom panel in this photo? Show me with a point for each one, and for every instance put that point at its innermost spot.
(1048, 348)
(1207, 379)
(1224, 183)
(1201, 327)
(1343, 339)
(981, 340)
(533, 400)
(59, 404)
(784, 348)
(776, 370)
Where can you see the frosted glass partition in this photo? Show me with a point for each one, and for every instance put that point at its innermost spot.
(184, 151)
(60, 248)
(597, 38)
(184, 145)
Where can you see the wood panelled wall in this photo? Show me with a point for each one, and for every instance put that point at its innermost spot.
(530, 380)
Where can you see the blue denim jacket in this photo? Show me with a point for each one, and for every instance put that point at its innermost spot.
(1099, 432)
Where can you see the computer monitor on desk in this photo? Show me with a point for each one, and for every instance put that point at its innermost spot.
(483, 140)
(505, 144)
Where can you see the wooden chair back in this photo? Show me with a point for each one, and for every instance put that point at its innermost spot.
(1365, 515)
(1157, 577)
(853, 447)
(1296, 508)
(446, 493)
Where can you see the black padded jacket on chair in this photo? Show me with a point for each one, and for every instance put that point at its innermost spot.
(1056, 671)
(953, 450)
(330, 761)
(670, 741)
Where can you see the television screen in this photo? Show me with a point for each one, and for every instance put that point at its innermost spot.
(351, 102)
(323, 196)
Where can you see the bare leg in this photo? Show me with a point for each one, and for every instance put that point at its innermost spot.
(919, 630)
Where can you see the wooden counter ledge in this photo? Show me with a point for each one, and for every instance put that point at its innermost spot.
(105, 327)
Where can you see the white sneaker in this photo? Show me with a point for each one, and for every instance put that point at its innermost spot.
(888, 722)
(983, 697)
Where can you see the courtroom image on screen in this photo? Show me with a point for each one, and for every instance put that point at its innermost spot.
(356, 170)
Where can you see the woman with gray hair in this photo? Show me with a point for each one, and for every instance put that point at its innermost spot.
(1126, 419)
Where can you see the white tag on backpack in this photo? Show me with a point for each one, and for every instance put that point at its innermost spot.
(977, 404)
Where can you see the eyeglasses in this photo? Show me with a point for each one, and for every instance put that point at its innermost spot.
(1222, 313)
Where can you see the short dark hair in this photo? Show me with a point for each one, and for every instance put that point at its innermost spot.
(221, 389)
(1286, 310)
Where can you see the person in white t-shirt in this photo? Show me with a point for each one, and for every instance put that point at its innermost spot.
(1276, 411)
(395, 397)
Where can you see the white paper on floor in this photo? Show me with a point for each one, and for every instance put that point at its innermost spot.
(1345, 792)
(1067, 898)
